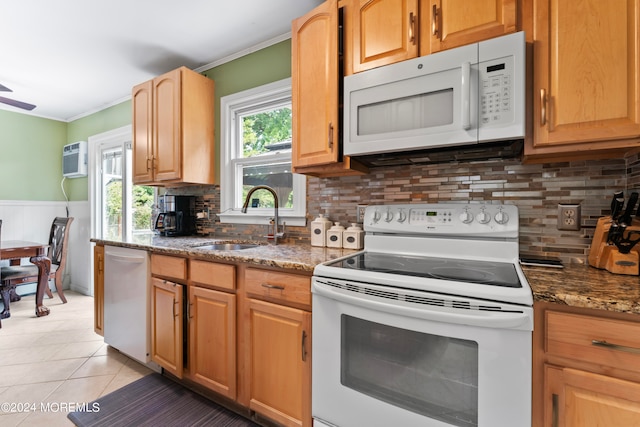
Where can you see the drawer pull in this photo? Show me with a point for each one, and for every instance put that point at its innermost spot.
(611, 346)
(268, 286)
(543, 107)
(554, 410)
(434, 20)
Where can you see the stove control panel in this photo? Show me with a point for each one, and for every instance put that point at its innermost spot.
(468, 219)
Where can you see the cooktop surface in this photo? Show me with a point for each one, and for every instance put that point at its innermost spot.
(460, 270)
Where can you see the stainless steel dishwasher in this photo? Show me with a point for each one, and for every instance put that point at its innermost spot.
(126, 302)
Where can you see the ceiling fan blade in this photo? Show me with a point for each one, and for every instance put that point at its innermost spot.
(3, 88)
(18, 104)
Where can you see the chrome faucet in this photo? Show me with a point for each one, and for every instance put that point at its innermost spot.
(276, 226)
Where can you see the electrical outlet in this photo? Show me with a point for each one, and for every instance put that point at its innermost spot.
(360, 213)
(569, 217)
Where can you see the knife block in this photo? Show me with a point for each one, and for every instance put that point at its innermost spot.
(618, 263)
(605, 256)
(599, 243)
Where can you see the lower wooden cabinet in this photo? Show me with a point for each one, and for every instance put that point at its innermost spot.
(166, 325)
(98, 289)
(586, 367)
(583, 399)
(212, 340)
(248, 333)
(279, 349)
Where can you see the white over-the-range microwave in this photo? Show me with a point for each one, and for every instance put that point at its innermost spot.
(463, 103)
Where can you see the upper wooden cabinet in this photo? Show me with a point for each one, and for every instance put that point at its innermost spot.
(388, 31)
(173, 124)
(384, 32)
(450, 23)
(586, 92)
(314, 42)
(315, 80)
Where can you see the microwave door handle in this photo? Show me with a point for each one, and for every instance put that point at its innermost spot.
(466, 95)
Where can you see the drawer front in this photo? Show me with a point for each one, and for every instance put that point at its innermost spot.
(285, 287)
(169, 266)
(609, 342)
(213, 274)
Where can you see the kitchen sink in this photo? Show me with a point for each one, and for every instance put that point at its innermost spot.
(227, 246)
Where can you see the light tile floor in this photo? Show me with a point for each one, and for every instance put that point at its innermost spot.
(53, 363)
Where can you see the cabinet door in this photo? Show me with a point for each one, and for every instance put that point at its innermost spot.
(167, 129)
(98, 289)
(576, 398)
(212, 340)
(445, 24)
(166, 325)
(384, 32)
(314, 79)
(280, 362)
(586, 76)
(142, 104)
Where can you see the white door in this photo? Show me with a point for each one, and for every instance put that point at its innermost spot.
(120, 209)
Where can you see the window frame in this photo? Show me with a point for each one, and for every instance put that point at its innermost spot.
(239, 104)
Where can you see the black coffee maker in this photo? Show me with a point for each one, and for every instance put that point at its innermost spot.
(178, 216)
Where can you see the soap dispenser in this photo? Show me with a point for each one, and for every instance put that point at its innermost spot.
(319, 227)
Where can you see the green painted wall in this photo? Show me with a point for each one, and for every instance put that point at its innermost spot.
(80, 130)
(38, 177)
(264, 66)
(30, 157)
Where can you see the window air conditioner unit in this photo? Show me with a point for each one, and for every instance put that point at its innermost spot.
(74, 160)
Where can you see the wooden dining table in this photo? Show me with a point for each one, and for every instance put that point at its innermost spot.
(15, 250)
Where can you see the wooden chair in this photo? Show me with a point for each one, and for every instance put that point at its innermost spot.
(12, 276)
(0, 248)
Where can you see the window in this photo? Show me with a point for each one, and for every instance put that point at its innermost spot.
(256, 150)
(120, 210)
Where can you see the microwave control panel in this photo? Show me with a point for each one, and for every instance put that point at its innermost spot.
(496, 92)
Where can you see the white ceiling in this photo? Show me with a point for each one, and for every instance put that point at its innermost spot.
(74, 57)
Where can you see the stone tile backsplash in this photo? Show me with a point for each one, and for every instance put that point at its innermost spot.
(536, 189)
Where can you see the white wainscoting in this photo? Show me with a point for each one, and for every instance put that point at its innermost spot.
(31, 220)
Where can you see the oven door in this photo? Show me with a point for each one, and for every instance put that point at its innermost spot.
(417, 359)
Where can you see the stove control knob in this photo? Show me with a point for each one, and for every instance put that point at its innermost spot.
(483, 217)
(388, 216)
(376, 216)
(466, 217)
(501, 217)
(402, 217)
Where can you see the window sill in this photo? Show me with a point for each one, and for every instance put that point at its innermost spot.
(237, 217)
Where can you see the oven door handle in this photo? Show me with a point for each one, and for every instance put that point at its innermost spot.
(488, 319)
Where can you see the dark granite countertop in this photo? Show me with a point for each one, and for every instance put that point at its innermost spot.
(573, 285)
(584, 286)
(301, 257)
